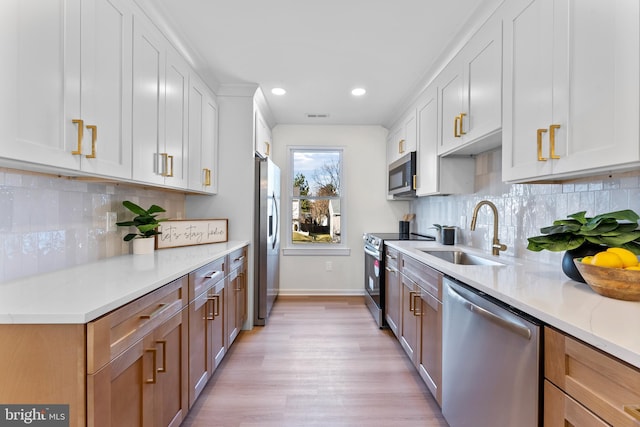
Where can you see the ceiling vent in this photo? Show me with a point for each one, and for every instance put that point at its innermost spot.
(317, 116)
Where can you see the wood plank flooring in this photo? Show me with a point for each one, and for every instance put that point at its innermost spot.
(320, 361)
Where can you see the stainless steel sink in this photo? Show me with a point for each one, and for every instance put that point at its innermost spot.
(460, 257)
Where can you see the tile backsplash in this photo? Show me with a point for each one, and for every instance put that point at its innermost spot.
(522, 208)
(49, 223)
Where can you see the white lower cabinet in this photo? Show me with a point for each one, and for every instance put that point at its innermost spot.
(571, 94)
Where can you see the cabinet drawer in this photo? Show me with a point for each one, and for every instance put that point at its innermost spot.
(391, 257)
(608, 387)
(205, 277)
(237, 258)
(113, 333)
(561, 410)
(426, 277)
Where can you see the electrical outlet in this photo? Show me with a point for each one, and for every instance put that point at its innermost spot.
(112, 218)
(328, 266)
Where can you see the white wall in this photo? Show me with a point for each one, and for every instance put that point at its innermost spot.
(367, 206)
(235, 197)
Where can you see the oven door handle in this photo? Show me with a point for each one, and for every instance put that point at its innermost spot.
(375, 254)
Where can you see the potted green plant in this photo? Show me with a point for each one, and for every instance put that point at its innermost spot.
(580, 236)
(147, 223)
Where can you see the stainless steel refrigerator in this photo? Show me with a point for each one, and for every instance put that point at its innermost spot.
(267, 239)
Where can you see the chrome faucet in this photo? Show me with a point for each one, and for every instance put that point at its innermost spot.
(496, 246)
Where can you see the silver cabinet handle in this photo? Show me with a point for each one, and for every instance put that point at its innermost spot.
(490, 316)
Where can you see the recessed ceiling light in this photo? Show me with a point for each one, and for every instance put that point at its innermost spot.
(278, 91)
(358, 91)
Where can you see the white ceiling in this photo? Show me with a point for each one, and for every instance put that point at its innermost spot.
(318, 50)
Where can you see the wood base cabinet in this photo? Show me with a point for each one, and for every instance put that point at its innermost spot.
(145, 384)
(206, 325)
(236, 295)
(586, 387)
(427, 308)
(392, 290)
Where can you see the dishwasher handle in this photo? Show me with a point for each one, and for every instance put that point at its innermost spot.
(521, 330)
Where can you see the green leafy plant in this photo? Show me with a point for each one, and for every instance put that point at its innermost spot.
(613, 229)
(145, 221)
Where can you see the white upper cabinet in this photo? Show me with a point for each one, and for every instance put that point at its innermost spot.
(470, 91)
(40, 42)
(403, 139)
(160, 109)
(435, 174)
(174, 154)
(571, 98)
(203, 138)
(262, 138)
(148, 106)
(106, 88)
(67, 90)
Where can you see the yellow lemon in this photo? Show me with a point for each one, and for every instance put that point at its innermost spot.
(587, 259)
(607, 259)
(633, 267)
(629, 259)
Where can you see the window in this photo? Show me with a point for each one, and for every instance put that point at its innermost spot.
(317, 199)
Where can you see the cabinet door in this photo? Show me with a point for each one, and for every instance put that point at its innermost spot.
(121, 393)
(216, 297)
(596, 95)
(106, 87)
(174, 148)
(392, 299)
(230, 306)
(171, 396)
(148, 108)
(40, 81)
(482, 94)
(210, 144)
(394, 142)
(528, 87)
(429, 357)
(410, 322)
(262, 135)
(450, 84)
(428, 160)
(200, 368)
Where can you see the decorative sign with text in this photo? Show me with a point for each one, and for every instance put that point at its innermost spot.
(190, 232)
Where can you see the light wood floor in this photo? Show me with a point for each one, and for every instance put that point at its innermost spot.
(320, 361)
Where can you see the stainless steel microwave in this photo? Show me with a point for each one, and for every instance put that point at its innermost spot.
(402, 176)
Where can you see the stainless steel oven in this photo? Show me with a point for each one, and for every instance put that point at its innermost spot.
(374, 269)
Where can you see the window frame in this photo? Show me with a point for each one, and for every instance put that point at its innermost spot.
(289, 248)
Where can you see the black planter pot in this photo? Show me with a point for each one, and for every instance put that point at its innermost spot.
(569, 268)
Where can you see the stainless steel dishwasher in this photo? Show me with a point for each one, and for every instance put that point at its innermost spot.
(491, 362)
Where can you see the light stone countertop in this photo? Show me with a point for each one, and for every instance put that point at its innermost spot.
(86, 292)
(544, 292)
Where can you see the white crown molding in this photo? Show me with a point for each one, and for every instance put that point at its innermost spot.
(237, 89)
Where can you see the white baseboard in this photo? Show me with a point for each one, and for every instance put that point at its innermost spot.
(321, 292)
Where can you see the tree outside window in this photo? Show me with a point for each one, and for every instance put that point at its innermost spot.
(316, 195)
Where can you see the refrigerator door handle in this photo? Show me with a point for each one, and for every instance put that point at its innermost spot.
(276, 216)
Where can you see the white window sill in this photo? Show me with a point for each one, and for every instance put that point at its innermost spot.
(316, 251)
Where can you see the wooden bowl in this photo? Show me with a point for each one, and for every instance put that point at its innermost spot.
(611, 282)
